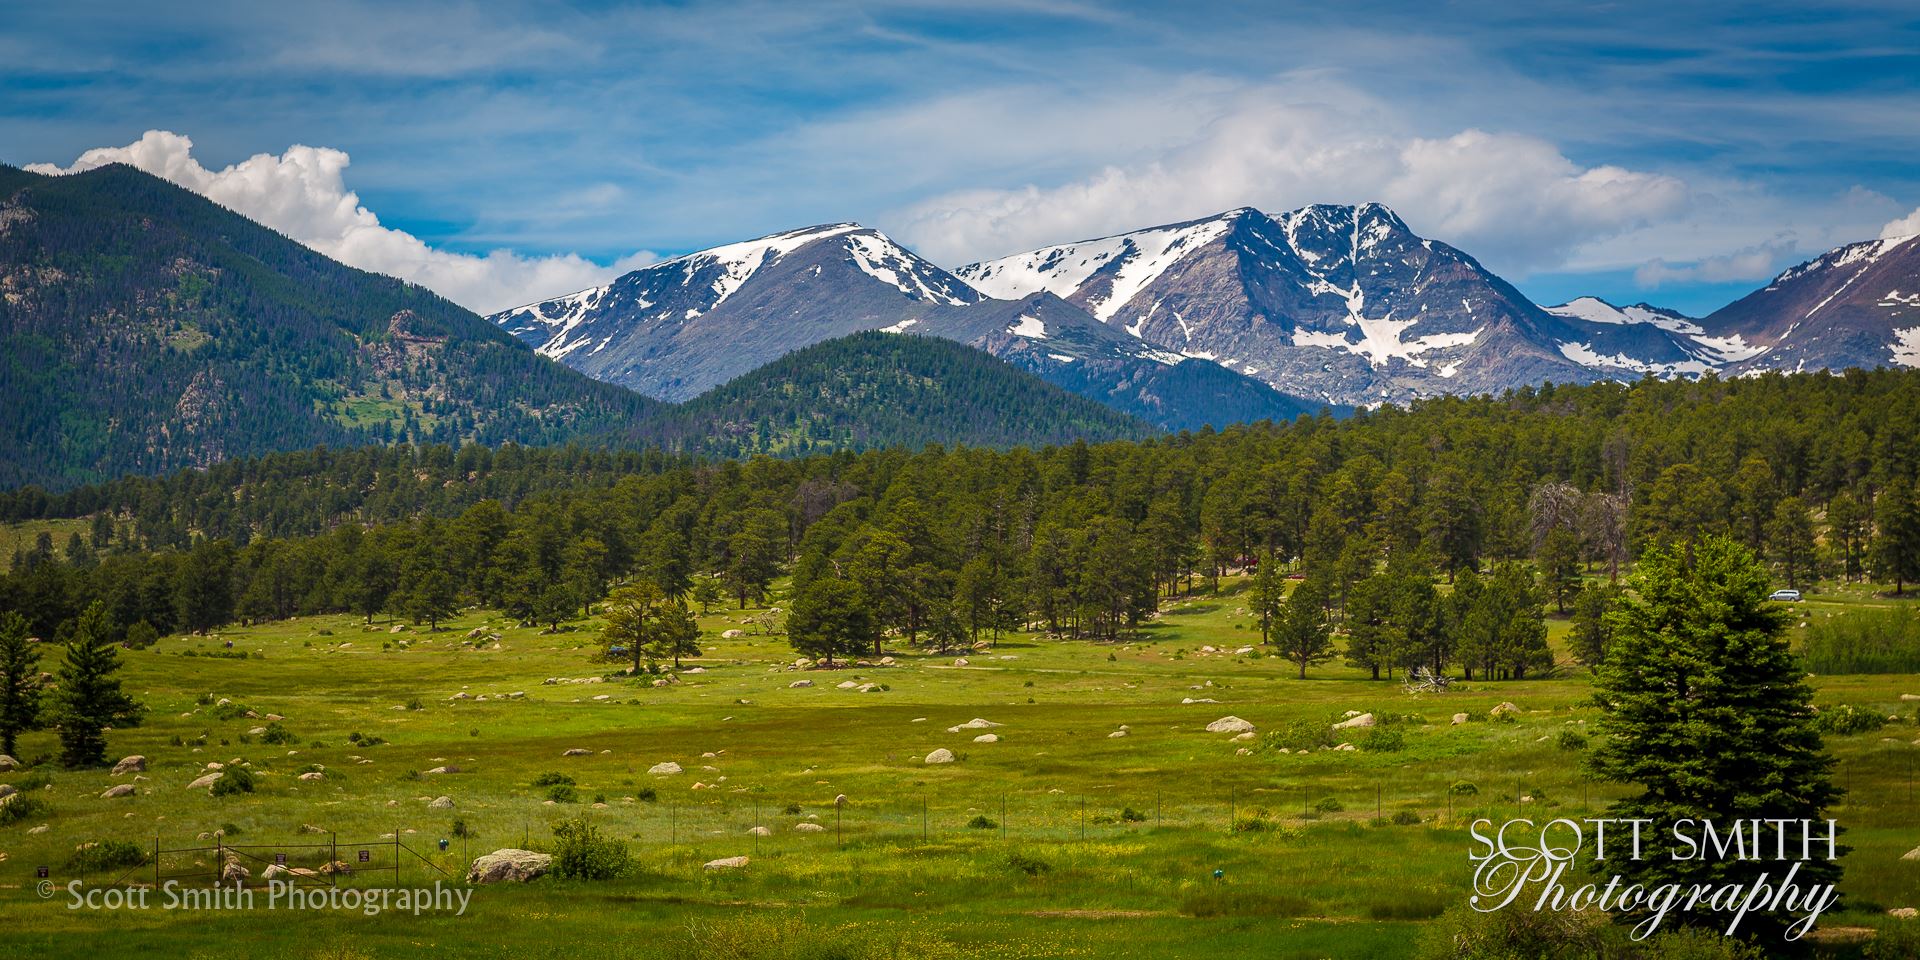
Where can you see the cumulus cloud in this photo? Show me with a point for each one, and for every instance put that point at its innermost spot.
(1515, 201)
(303, 194)
(1751, 263)
(1906, 226)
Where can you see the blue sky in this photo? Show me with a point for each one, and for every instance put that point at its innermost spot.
(1670, 152)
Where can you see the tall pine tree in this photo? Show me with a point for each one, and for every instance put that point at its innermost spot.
(89, 699)
(1708, 713)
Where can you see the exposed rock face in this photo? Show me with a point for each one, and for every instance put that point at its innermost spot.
(509, 866)
(1230, 724)
(133, 764)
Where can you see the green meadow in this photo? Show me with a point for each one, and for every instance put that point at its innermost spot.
(1058, 840)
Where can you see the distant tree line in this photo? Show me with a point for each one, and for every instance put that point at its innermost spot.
(1349, 526)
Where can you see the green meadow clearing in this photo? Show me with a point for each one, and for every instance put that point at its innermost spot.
(1058, 840)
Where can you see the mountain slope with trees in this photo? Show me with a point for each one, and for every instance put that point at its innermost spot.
(874, 390)
(148, 329)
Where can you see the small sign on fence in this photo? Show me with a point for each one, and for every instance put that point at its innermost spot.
(366, 856)
(280, 858)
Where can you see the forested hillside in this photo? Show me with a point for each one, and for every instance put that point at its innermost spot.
(871, 390)
(147, 329)
(1815, 472)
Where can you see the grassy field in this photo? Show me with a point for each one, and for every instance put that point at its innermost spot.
(1058, 840)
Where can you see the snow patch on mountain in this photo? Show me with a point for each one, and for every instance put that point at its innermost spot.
(1906, 347)
(1137, 259)
(1029, 326)
(1586, 356)
(1596, 310)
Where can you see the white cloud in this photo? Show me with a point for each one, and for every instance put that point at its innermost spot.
(303, 194)
(1906, 226)
(1513, 200)
(1751, 263)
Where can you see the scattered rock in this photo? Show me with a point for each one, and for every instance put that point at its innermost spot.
(732, 634)
(36, 831)
(1249, 735)
(1356, 722)
(8, 764)
(578, 752)
(1460, 718)
(444, 770)
(1116, 734)
(1230, 724)
(205, 782)
(1903, 913)
(509, 865)
(1200, 700)
(960, 661)
(313, 775)
(987, 738)
(1910, 697)
(1344, 746)
(7, 790)
(133, 764)
(942, 755)
(808, 826)
(1913, 854)
(118, 790)
(975, 724)
(845, 685)
(666, 769)
(760, 832)
(440, 803)
(1503, 709)
(310, 828)
(797, 684)
(274, 871)
(727, 863)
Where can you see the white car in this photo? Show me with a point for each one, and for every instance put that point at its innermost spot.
(1790, 596)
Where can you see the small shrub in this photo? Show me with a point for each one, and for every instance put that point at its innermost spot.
(563, 793)
(1300, 735)
(1405, 818)
(551, 777)
(1845, 718)
(1572, 740)
(278, 735)
(461, 829)
(142, 635)
(646, 795)
(982, 822)
(1029, 865)
(581, 852)
(1384, 740)
(230, 830)
(20, 807)
(1328, 805)
(415, 704)
(233, 780)
(1463, 788)
(228, 710)
(359, 739)
(1252, 823)
(106, 855)
(1131, 815)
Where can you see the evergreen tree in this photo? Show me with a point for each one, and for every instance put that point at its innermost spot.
(19, 681)
(1708, 713)
(832, 616)
(89, 700)
(1559, 559)
(1266, 597)
(1896, 514)
(1591, 634)
(1847, 535)
(1790, 539)
(1301, 631)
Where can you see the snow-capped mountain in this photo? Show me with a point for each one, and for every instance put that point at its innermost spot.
(1855, 306)
(1344, 303)
(678, 328)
